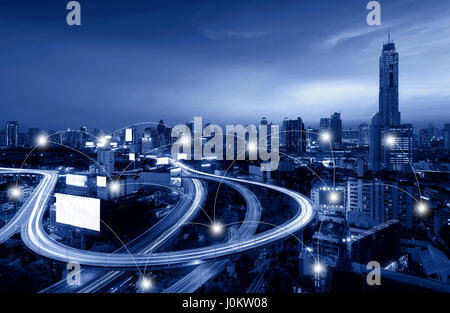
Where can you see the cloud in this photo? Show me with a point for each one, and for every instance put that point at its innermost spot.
(229, 34)
(338, 93)
(348, 34)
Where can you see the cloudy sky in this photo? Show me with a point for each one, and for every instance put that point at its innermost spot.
(229, 61)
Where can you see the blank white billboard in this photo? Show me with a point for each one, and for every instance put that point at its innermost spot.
(101, 181)
(162, 161)
(76, 180)
(78, 211)
(129, 134)
(131, 156)
(182, 156)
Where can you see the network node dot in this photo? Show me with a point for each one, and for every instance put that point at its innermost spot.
(325, 137)
(145, 283)
(334, 197)
(390, 140)
(318, 268)
(217, 228)
(42, 140)
(115, 187)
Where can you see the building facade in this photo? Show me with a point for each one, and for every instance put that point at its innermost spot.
(385, 155)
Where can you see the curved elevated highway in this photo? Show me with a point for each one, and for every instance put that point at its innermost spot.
(36, 239)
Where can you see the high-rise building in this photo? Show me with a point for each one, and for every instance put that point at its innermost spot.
(150, 139)
(33, 134)
(434, 132)
(71, 138)
(350, 136)
(283, 133)
(322, 201)
(22, 139)
(447, 136)
(12, 135)
(84, 136)
(424, 139)
(312, 138)
(268, 135)
(389, 113)
(364, 134)
(325, 127)
(164, 134)
(105, 160)
(385, 152)
(336, 130)
(295, 136)
(383, 200)
(397, 156)
(325, 124)
(2, 138)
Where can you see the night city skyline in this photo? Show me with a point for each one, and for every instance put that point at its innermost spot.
(233, 59)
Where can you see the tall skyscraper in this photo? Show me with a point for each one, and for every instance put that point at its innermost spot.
(336, 130)
(424, 139)
(164, 134)
(324, 127)
(364, 131)
(84, 136)
(325, 124)
(295, 136)
(388, 94)
(12, 136)
(389, 154)
(283, 132)
(3, 138)
(447, 135)
(33, 134)
(150, 139)
(268, 134)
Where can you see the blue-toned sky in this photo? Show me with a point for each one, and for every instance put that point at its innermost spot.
(228, 61)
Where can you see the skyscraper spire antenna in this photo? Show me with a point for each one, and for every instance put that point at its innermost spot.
(389, 35)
